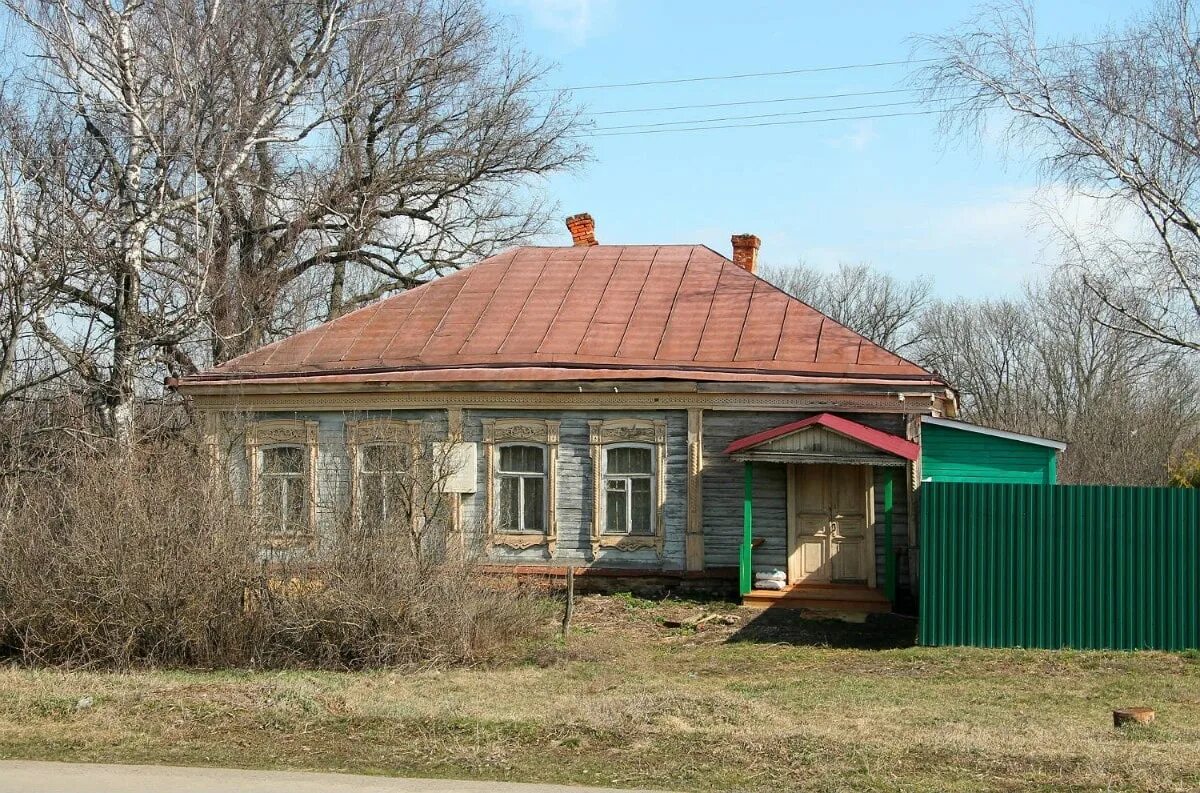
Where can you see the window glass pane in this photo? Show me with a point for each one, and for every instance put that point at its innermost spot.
(614, 516)
(522, 459)
(629, 460)
(509, 505)
(371, 491)
(294, 518)
(272, 503)
(385, 457)
(641, 507)
(283, 460)
(535, 503)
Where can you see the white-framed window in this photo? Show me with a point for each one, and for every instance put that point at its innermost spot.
(629, 496)
(282, 489)
(521, 488)
(629, 501)
(384, 470)
(282, 455)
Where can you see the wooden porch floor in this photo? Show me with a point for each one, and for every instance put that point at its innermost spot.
(827, 597)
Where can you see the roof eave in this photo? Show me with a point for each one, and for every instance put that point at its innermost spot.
(993, 432)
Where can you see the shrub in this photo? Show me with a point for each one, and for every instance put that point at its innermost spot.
(138, 560)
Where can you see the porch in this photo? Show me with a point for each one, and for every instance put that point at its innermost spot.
(840, 538)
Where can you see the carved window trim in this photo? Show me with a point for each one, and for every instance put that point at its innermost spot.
(535, 432)
(284, 432)
(624, 432)
(376, 432)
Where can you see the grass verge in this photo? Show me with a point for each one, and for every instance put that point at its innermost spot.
(763, 703)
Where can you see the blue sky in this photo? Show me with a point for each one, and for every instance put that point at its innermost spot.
(887, 191)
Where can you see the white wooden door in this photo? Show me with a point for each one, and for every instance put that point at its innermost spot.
(831, 525)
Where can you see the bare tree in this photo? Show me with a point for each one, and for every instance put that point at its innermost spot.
(1116, 119)
(25, 295)
(417, 161)
(1050, 363)
(873, 303)
(207, 168)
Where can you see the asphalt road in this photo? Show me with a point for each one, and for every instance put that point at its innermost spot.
(30, 777)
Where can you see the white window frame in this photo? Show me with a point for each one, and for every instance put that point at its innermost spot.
(272, 433)
(652, 476)
(377, 432)
(608, 433)
(296, 485)
(521, 432)
(521, 476)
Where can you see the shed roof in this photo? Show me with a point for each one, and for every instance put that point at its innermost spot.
(995, 433)
(596, 312)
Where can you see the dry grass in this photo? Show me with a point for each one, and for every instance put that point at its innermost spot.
(627, 702)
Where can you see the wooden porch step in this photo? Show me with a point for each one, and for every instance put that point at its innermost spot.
(828, 597)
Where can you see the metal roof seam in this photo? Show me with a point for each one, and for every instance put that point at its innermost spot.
(662, 336)
(779, 336)
(561, 303)
(636, 302)
(486, 306)
(716, 293)
(524, 304)
(441, 322)
(600, 301)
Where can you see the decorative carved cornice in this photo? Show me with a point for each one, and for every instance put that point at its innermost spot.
(434, 400)
(383, 430)
(529, 430)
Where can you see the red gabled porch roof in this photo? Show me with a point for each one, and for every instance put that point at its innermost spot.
(878, 439)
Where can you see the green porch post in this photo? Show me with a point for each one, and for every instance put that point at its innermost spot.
(746, 575)
(889, 552)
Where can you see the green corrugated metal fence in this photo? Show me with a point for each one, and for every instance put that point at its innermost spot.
(1009, 565)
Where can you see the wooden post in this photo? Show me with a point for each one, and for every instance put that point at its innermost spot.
(570, 609)
(745, 571)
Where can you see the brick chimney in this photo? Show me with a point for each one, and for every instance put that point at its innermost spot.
(745, 251)
(583, 229)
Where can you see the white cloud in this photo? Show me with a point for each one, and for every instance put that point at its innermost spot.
(986, 245)
(860, 136)
(574, 20)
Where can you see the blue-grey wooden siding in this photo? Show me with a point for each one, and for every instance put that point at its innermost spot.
(574, 497)
(722, 484)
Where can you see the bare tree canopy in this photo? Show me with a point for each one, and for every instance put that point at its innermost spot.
(1115, 118)
(1049, 363)
(188, 180)
(872, 303)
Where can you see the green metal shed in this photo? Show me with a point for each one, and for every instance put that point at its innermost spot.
(955, 451)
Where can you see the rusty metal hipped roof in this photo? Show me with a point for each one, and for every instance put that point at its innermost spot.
(612, 311)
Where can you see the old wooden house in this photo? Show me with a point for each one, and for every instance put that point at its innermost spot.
(651, 411)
